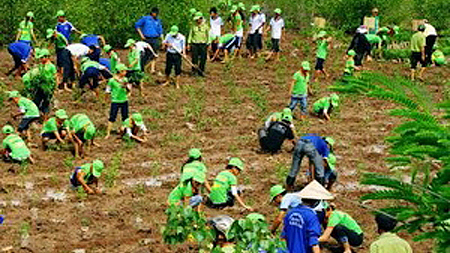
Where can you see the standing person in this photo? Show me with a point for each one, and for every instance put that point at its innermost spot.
(114, 59)
(27, 109)
(26, 29)
(299, 89)
(350, 63)
(82, 130)
(65, 27)
(360, 45)
(323, 43)
(119, 88)
(146, 52)
(20, 53)
(57, 127)
(284, 201)
(60, 42)
(418, 43)
(175, 44)
(134, 74)
(87, 175)
(257, 21)
(241, 10)
(388, 242)
(150, 30)
(343, 228)
(238, 29)
(431, 36)
(216, 23)
(198, 40)
(14, 148)
(375, 15)
(325, 106)
(276, 27)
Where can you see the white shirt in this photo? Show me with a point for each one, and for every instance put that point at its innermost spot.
(429, 30)
(277, 27)
(290, 200)
(216, 27)
(256, 21)
(78, 49)
(142, 45)
(129, 133)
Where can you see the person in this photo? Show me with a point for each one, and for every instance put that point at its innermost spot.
(227, 43)
(388, 241)
(299, 89)
(257, 21)
(14, 148)
(198, 40)
(146, 53)
(77, 52)
(241, 10)
(224, 191)
(418, 43)
(375, 15)
(430, 38)
(350, 63)
(284, 201)
(272, 139)
(94, 42)
(237, 28)
(175, 44)
(26, 29)
(60, 43)
(215, 23)
(317, 149)
(91, 73)
(343, 228)
(57, 127)
(20, 52)
(119, 88)
(194, 165)
(221, 225)
(114, 59)
(88, 175)
(360, 45)
(188, 191)
(82, 131)
(150, 30)
(323, 44)
(438, 57)
(325, 106)
(132, 125)
(134, 73)
(375, 41)
(65, 27)
(330, 171)
(27, 109)
(276, 27)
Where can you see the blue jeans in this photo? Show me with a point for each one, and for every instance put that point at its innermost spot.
(299, 99)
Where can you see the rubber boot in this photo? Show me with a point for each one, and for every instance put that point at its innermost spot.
(321, 180)
(290, 182)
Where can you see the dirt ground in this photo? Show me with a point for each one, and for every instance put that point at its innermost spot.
(219, 114)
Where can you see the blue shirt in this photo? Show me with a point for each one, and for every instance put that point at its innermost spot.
(20, 49)
(150, 27)
(178, 42)
(65, 28)
(301, 229)
(320, 144)
(91, 40)
(105, 62)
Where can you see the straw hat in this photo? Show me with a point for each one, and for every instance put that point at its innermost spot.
(315, 190)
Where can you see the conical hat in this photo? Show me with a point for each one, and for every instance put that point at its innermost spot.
(315, 190)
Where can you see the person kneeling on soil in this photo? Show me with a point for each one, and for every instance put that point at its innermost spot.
(438, 57)
(342, 227)
(283, 200)
(325, 106)
(131, 127)
(82, 130)
(55, 128)
(28, 109)
(226, 43)
(272, 139)
(188, 190)
(14, 148)
(195, 165)
(350, 63)
(224, 191)
(221, 225)
(87, 175)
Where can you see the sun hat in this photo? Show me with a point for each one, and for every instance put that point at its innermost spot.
(241, 6)
(43, 53)
(174, 30)
(14, 94)
(351, 52)
(315, 190)
(277, 11)
(137, 118)
(97, 168)
(275, 191)
(234, 8)
(60, 13)
(236, 162)
(107, 48)
(334, 99)
(30, 14)
(287, 111)
(306, 66)
(121, 67)
(61, 114)
(195, 153)
(129, 43)
(8, 129)
(198, 15)
(89, 133)
(321, 34)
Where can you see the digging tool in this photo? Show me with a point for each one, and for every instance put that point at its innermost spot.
(187, 59)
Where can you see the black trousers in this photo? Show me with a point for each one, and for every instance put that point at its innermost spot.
(199, 54)
(430, 41)
(343, 234)
(173, 60)
(115, 107)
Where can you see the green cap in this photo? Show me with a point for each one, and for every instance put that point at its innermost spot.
(254, 8)
(61, 114)
(195, 153)
(287, 111)
(241, 6)
(89, 133)
(8, 129)
(277, 11)
(50, 33)
(60, 13)
(14, 94)
(43, 53)
(351, 52)
(192, 11)
(97, 168)
(83, 35)
(137, 118)
(329, 140)
(275, 191)
(331, 161)
(233, 9)
(129, 43)
(174, 30)
(306, 66)
(321, 34)
(198, 16)
(334, 99)
(288, 118)
(107, 48)
(121, 67)
(255, 217)
(30, 14)
(236, 162)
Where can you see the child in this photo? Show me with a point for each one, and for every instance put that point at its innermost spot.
(216, 23)
(323, 44)
(86, 175)
(276, 27)
(325, 106)
(195, 165)
(146, 53)
(438, 57)
(189, 190)
(28, 109)
(20, 53)
(114, 58)
(65, 27)
(82, 130)
(119, 88)
(227, 43)
(299, 89)
(238, 28)
(55, 128)
(175, 44)
(94, 42)
(418, 44)
(350, 63)
(91, 74)
(60, 43)
(14, 148)
(45, 82)
(26, 32)
(134, 74)
(131, 127)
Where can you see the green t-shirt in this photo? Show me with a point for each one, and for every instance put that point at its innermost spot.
(86, 169)
(322, 49)
(373, 38)
(119, 92)
(350, 66)
(301, 84)
(221, 187)
(225, 38)
(29, 108)
(60, 41)
(19, 150)
(114, 61)
(176, 195)
(79, 122)
(438, 57)
(134, 59)
(51, 125)
(238, 23)
(418, 42)
(343, 219)
(322, 104)
(48, 72)
(90, 64)
(25, 28)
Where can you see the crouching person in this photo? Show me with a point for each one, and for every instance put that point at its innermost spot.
(131, 127)
(87, 176)
(82, 131)
(14, 148)
(188, 191)
(55, 128)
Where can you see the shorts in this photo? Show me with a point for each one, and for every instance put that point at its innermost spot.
(135, 76)
(74, 181)
(145, 58)
(173, 60)
(255, 42)
(25, 123)
(59, 57)
(65, 59)
(89, 74)
(416, 57)
(276, 45)
(115, 110)
(154, 42)
(95, 56)
(229, 202)
(80, 135)
(42, 100)
(234, 42)
(319, 63)
(106, 74)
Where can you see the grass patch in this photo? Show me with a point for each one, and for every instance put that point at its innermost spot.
(281, 171)
(259, 98)
(113, 170)
(194, 107)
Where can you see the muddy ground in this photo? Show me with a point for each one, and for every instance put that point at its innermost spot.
(219, 114)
